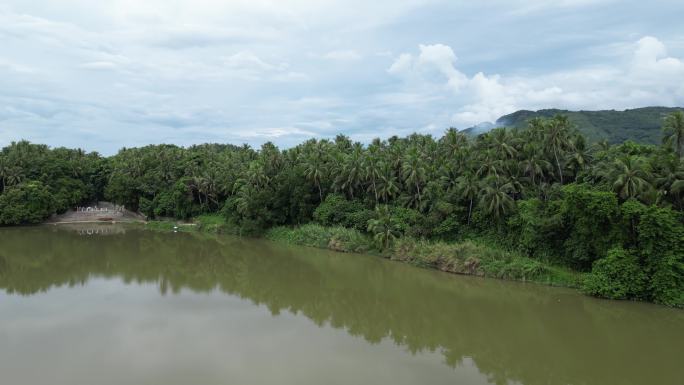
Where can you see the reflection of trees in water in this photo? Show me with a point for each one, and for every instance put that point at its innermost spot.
(511, 331)
(3, 265)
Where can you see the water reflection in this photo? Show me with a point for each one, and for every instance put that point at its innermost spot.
(86, 229)
(510, 332)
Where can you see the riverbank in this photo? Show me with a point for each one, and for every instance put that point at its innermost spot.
(470, 257)
(97, 212)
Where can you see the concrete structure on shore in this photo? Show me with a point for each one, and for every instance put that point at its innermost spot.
(97, 212)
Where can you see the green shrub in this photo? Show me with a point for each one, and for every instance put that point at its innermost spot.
(164, 205)
(336, 210)
(314, 235)
(26, 203)
(447, 228)
(146, 207)
(359, 219)
(409, 221)
(617, 276)
(67, 193)
(212, 223)
(661, 244)
(537, 229)
(589, 215)
(348, 240)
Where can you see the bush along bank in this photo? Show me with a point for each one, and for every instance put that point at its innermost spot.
(466, 257)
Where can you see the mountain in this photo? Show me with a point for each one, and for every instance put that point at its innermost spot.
(641, 125)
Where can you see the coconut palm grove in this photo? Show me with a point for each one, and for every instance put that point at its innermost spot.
(539, 203)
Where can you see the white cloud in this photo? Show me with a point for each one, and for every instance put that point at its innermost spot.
(343, 55)
(250, 61)
(192, 36)
(99, 65)
(271, 133)
(531, 6)
(103, 75)
(403, 64)
(647, 77)
(248, 66)
(651, 61)
(437, 57)
(13, 67)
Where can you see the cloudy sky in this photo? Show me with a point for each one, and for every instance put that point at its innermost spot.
(101, 75)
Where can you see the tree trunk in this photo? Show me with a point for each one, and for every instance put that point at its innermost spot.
(560, 171)
(320, 192)
(419, 197)
(470, 210)
(375, 191)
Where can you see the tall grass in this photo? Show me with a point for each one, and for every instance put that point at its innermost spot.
(313, 235)
(465, 257)
(208, 223)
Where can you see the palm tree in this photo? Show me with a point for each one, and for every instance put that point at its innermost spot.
(670, 181)
(502, 143)
(256, 174)
(371, 167)
(630, 176)
(495, 200)
(513, 185)
(350, 175)
(413, 171)
(535, 167)
(315, 167)
(602, 145)
(673, 127)
(490, 165)
(454, 144)
(3, 173)
(448, 175)
(388, 185)
(557, 139)
(12, 176)
(468, 187)
(384, 228)
(581, 155)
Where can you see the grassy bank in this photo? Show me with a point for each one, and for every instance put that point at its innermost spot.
(468, 257)
(210, 223)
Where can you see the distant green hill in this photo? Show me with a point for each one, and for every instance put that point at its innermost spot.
(641, 125)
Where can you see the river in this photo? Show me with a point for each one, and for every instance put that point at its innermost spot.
(121, 305)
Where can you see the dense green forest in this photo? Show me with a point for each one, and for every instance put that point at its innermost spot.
(613, 211)
(641, 125)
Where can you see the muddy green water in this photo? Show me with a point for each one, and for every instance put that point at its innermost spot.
(117, 305)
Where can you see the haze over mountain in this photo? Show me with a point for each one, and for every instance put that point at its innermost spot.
(643, 125)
